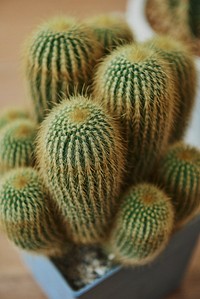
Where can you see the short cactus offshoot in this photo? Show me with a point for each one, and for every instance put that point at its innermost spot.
(142, 226)
(26, 215)
(184, 72)
(179, 175)
(111, 31)
(81, 157)
(59, 60)
(135, 84)
(17, 144)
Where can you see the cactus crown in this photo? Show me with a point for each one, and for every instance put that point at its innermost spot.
(183, 156)
(11, 114)
(80, 155)
(179, 174)
(17, 144)
(111, 31)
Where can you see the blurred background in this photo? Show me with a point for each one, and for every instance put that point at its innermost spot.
(17, 19)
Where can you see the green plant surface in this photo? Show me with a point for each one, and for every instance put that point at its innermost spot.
(81, 158)
(143, 225)
(194, 17)
(184, 73)
(11, 114)
(17, 144)
(26, 214)
(111, 30)
(179, 175)
(59, 59)
(135, 85)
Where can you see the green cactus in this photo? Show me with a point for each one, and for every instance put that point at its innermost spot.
(179, 174)
(17, 144)
(26, 214)
(110, 30)
(135, 85)
(142, 226)
(183, 68)
(59, 60)
(81, 157)
(11, 114)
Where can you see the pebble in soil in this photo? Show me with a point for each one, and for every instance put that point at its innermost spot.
(84, 265)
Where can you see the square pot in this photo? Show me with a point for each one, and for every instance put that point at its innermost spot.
(152, 281)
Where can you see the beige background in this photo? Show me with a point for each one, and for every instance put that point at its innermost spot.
(17, 19)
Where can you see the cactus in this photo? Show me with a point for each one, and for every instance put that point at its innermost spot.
(110, 30)
(142, 226)
(184, 72)
(9, 115)
(59, 60)
(179, 174)
(135, 85)
(81, 158)
(26, 213)
(17, 144)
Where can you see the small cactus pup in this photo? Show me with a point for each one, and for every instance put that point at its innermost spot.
(26, 215)
(183, 68)
(111, 31)
(81, 158)
(143, 225)
(179, 174)
(10, 114)
(135, 85)
(17, 144)
(59, 59)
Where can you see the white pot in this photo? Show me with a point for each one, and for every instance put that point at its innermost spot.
(136, 18)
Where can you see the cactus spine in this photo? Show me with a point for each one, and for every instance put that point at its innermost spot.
(9, 115)
(26, 215)
(142, 226)
(179, 174)
(80, 154)
(111, 31)
(184, 72)
(135, 85)
(59, 60)
(17, 144)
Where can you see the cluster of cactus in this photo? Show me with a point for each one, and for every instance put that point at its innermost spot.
(100, 165)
